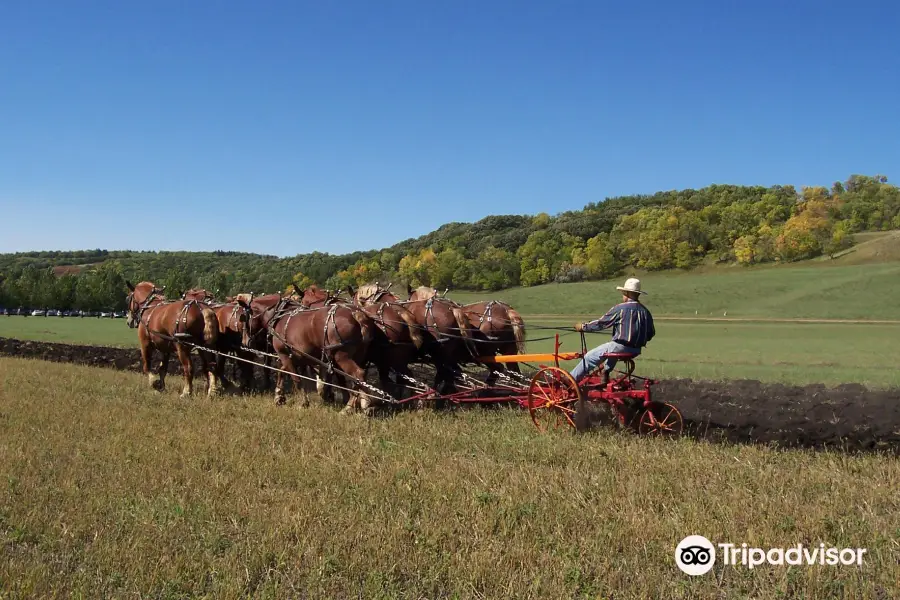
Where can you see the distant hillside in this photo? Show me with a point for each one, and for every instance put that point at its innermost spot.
(684, 229)
(877, 247)
(819, 290)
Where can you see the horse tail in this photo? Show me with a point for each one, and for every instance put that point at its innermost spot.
(365, 325)
(518, 325)
(414, 330)
(210, 325)
(462, 321)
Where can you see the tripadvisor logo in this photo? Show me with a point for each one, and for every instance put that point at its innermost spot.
(696, 555)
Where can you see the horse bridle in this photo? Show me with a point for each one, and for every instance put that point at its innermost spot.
(138, 313)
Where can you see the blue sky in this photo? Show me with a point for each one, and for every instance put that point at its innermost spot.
(287, 127)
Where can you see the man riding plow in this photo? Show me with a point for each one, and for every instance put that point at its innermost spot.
(632, 328)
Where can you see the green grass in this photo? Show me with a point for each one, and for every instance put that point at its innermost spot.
(111, 490)
(89, 331)
(774, 352)
(810, 291)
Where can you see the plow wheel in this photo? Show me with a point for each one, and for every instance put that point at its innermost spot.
(660, 419)
(553, 399)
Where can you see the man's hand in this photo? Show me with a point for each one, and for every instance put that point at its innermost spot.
(579, 326)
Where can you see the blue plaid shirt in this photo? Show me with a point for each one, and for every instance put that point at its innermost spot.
(631, 322)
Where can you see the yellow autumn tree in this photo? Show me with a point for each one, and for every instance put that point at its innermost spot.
(417, 268)
(744, 248)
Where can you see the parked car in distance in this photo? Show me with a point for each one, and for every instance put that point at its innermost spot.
(38, 313)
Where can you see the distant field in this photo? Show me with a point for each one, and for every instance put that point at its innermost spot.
(822, 291)
(111, 490)
(92, 331)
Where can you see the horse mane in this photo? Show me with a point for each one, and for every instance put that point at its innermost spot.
(424, 292)
(245, 298)
(367, 290)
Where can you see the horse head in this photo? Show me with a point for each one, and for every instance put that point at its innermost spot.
(139, 297)
(372, 293)
(311, 296)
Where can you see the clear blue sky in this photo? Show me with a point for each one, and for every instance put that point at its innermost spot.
(291, 126)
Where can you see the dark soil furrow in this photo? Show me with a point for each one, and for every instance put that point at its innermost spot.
(849, 417)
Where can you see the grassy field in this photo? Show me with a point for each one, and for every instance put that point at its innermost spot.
(112, 491)
(788, 353)
(92, 331)
(813, 290)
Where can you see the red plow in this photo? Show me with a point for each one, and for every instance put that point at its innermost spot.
(553, 397)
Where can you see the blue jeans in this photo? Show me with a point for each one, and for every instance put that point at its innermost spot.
(596, 356)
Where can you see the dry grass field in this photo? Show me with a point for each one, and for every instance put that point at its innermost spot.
(111, 490)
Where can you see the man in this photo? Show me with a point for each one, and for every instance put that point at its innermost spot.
(632, 326)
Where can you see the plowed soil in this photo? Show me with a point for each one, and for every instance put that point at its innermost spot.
(847, 418)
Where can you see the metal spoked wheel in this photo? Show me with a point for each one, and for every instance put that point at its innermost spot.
(553, 399)
(660, 419)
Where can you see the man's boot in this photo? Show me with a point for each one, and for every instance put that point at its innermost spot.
(604, 377)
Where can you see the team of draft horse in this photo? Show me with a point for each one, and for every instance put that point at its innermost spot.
(323, 337)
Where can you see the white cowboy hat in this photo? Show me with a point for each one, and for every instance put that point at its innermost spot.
(631, 285)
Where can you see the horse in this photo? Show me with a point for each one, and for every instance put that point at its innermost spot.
(314, 338)
(231, 316)
(397, 340)
(445, 329)
(200, 295)
(161, 323)
(501, 329)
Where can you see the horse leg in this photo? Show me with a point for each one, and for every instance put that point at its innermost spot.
(286, 365)
(300, 385)
(353, 371)
(266, 375)
(325, 391)
(163, 369)
(209, 367)
(146, 361)
(184, 355)
(246, 370)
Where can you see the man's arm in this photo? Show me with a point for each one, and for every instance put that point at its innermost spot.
(604, 322)
(652, 330)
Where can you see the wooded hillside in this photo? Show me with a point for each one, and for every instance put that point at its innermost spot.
(674, 229)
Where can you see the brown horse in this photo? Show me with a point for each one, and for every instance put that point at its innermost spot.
(501, 330)
(161, 323)
(232, 316)
(444, 327)
(200, 295)
(305, 338)
(397, 340)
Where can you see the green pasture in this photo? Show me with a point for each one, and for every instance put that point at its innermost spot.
(90, 331)
(813, 290)
(800, 353)
(797, 353)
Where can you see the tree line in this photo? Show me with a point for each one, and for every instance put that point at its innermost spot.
(666, 230)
